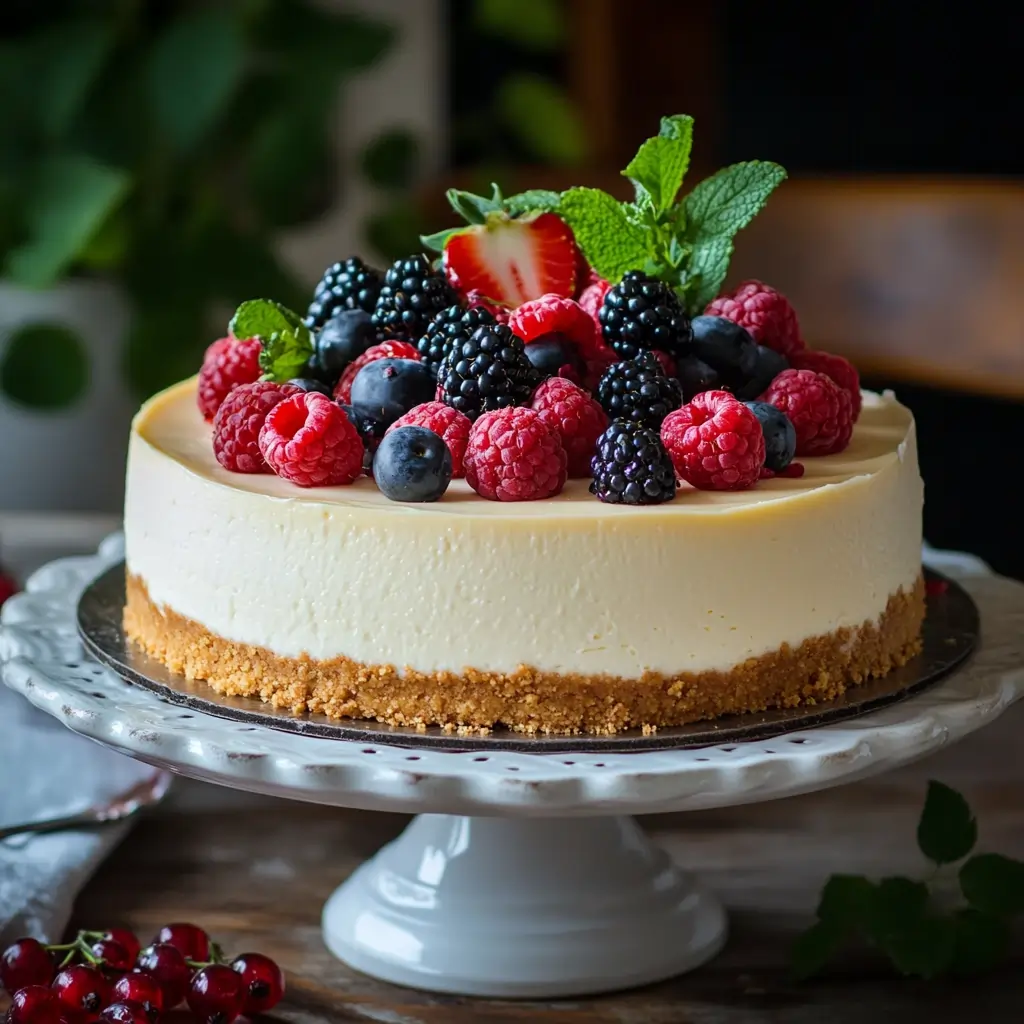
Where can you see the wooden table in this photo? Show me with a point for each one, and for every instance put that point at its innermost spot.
(255, 873)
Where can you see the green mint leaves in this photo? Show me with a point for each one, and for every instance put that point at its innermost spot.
(902, 918)
(612, 241)
(287, 343)
(660, 164)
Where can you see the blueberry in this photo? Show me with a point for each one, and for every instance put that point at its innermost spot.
(696, 376)
(412, 464)
(779, 435)
(348, 334)
(370, 428)
(309, 384)
(769, 365)
(552, 352)
(390, 387)
(725, 346)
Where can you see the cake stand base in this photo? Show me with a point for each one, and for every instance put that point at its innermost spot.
(521, 908)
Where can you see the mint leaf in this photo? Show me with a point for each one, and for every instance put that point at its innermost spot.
(847, 900)
(610, 242)
(730, 199)
(703, 277)
(923, 948)
(815, 947)
(658, 169)
(287, 343)
(980, 942)
(994, 884)
(947, 830)
(899, 902)
(260, 318)
(534, 200)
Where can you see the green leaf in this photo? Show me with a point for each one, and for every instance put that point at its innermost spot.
(921, 948)
(45, 367)
(533, 200)
(390, 160)
(981, 942)
(610, 242)
(437, 241)
(815, 947)
(897, 902)
(534, 24)
(543, 119)
(994, 884)
(847, 900)
(70, 197)
(194, 70)
(473, 208)
(729, 200)
(708, 265)
(287, 343)
(658, 169)
(947, 830)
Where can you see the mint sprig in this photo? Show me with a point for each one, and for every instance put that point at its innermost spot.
(286, 343)
(902, 917)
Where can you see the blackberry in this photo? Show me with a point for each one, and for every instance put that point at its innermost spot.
(638, 391)
(450, 327)
(350, 284)
(411, 294)
(631, 467)
(641, 312)
(489, 370)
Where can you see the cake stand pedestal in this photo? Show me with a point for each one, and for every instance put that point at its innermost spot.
(523, 875)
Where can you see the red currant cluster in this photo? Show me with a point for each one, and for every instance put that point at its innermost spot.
(106, 976)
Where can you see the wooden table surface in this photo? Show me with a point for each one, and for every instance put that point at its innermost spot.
(255, 872)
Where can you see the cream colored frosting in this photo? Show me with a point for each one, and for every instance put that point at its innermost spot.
(564, 585)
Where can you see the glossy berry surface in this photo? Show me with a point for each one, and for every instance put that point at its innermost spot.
(389, 388)
(346, 336)
(695, 376)
(779, 435)
(126, 1013)
(725, 346)
(578, 419)
(638, 390)
(384, 350)
(448, 423)
(189, 939)
(167, 965)
(115, 958)
(641, 313)
(236, 432)
(126, 938)
(765, 313)
(413, 292)
(35, 1004)
(448, 328)
(25, 963)
(262, 981)
(347, 285)
(143, 989)
(412, 464)
(555, 356)
(82, 990)
(311, 384)
(631, 467)
(820, 410)
(768, 365)
(216, 995)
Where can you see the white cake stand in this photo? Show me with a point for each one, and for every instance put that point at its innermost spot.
(524, 874)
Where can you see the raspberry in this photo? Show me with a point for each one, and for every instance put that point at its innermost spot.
(821, 411)
(668, 364)
(449, 424)
(391, 349)
(309, 440)
(513, 455)
(841, 370)
(592, 296)
(237, 425)
(715, 442)
(765, 313)
(226, 364)
(577, 418)
(475, 299)
(552, 314)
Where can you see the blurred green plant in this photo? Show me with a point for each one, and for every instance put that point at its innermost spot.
(161, 145)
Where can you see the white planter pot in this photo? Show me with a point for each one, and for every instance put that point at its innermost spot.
(70, 458)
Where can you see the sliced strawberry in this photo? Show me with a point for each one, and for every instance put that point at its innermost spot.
(513, 260)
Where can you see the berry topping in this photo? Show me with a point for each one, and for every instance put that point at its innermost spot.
(35, 1004)
(385, 350)
(142, 989)
(189, 939)
(726, 347)
(389, 388)
(237, 426)
(768, 365)
(24, 963)
(631, 467)
(309, 440)
(638, 390)
(262, 980)
(820, 410)
(577, 418)
(350, 284)
(592, 297)
(554, 317)
(371, 430)
(512, 260)
(764, 312)
(640, 313)
(83, 991)
(450, 327)
(715, 442)
(412, 293)
(126, 938)
(513, 455)
(555, 356)
(125, 1013)
(227, 364)
(167, 965)
(309, 384)
(779, 435)
(216, 995)
(114, 958)
(841, 370)
(449, 424)
(345, 337)
(475, 299)
(489, 370)
(695, 376)
(412, 464)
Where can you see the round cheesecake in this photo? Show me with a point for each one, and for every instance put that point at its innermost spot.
(561, 615)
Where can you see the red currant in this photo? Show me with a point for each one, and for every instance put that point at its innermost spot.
(115, 958)
(126, 938)
(142, 988)
(34, 1004)
(126, 1013)
(25, 963)
(216, 994)
(263, 982)
(168, 966)
(190, 939)
(82, 990)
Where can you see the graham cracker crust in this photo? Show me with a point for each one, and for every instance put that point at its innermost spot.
(529, 700)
